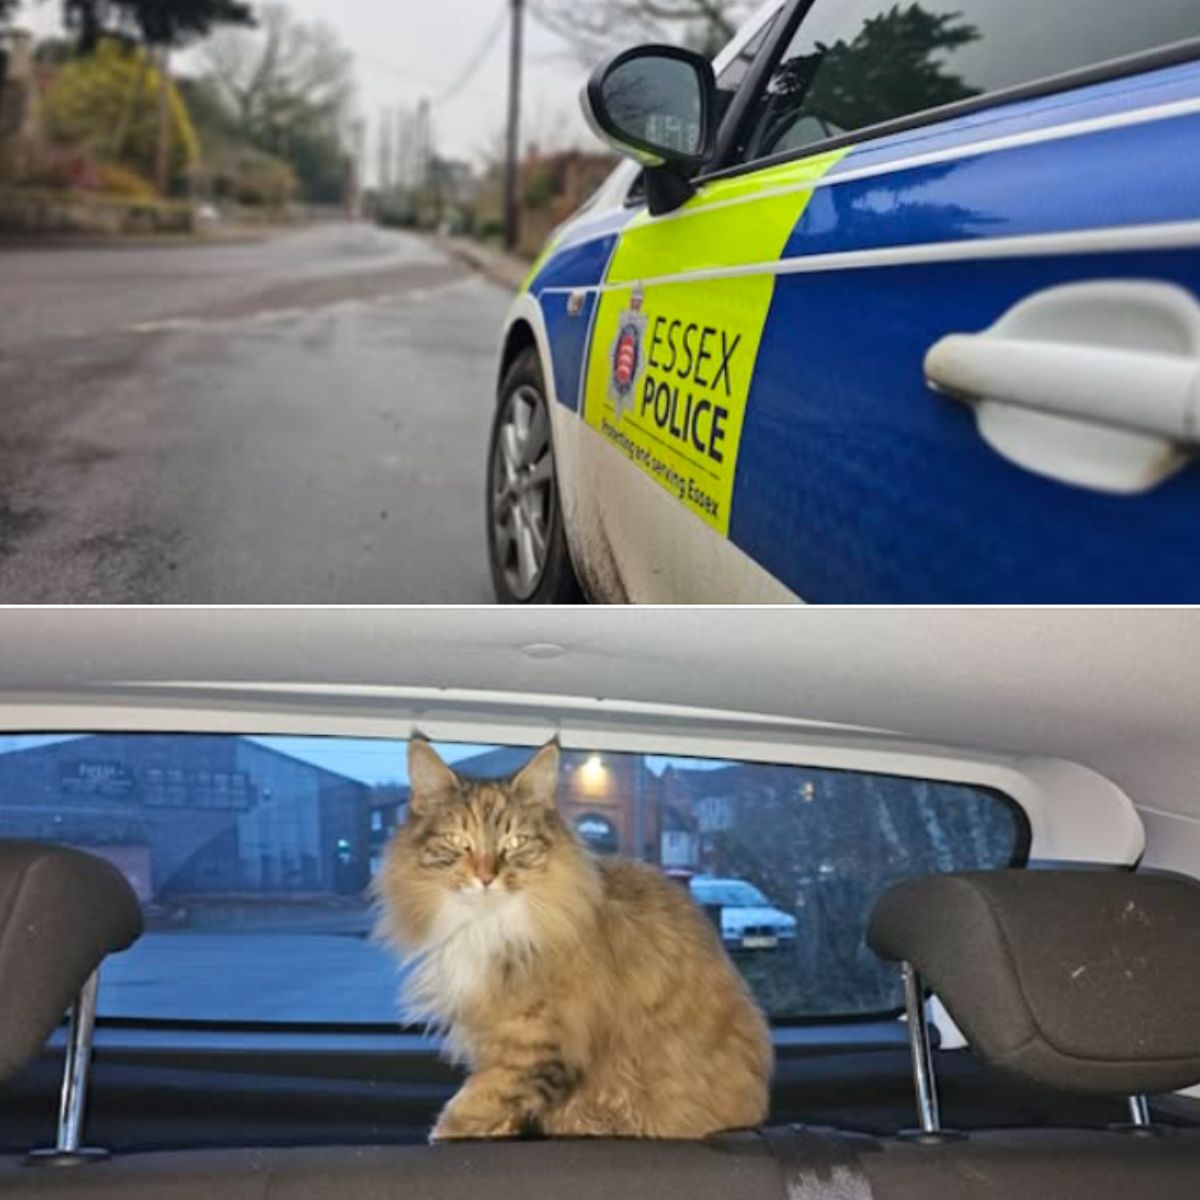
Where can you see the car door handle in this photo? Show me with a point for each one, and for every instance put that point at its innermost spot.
(1093, 384)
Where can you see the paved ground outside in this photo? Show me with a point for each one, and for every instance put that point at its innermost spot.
(299, 419)
(229, 976)
(321, 977)
(505, 269)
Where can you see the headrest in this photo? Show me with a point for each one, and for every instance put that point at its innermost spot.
(61, 912)
(1087, 981)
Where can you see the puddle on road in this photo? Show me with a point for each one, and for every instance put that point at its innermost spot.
(17, 523)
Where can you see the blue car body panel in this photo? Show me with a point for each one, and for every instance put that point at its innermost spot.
(568, 333)
(579, 263)
(856, 484)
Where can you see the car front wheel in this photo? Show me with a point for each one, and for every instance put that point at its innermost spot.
(526, 543)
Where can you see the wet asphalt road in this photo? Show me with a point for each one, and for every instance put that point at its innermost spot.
(298, 420)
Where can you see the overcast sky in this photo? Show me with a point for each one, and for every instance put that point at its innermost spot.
(406, 49)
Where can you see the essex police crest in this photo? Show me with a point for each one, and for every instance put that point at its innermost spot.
(626, 354)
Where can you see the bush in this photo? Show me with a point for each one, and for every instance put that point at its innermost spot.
(261, 181)
(107, 104)
(396, 213)
(121, 181)
(541, 186)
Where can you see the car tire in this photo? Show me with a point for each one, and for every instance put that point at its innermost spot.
(527, 545)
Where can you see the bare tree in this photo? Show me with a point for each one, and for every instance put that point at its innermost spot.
(281, 73)
(289, 89)
(593, 28)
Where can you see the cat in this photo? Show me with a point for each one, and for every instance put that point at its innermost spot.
(586, 996)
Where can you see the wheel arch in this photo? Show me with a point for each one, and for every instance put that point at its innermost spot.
(525, 329)
(518, 338)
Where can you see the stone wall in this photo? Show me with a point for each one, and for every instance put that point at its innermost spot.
(34, 211)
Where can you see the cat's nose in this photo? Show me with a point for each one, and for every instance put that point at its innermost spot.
(485, 870)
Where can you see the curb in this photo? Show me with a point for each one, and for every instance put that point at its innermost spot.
(128, 241)
(504, 269)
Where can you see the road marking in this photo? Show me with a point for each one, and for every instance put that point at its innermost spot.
(275, 315)
(167, 326)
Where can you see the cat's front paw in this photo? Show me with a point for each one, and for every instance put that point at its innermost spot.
(456, 1127)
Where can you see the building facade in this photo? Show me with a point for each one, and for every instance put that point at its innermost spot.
(612, 801)
(193, 814)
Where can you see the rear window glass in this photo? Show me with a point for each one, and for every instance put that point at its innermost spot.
(251, 856)
(856, 63)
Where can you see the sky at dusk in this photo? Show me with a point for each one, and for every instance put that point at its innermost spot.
(371, 760)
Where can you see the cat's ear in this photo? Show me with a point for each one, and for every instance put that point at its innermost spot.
(431, 781)
(537, 780)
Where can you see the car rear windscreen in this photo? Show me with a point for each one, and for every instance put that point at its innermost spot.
(252, 858)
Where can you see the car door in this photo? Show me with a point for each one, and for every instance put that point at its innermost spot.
(945, 275)
(645, 499)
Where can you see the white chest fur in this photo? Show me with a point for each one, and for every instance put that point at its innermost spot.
(472, 934)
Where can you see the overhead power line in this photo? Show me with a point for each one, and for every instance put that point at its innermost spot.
(476, 60)
(395, 69)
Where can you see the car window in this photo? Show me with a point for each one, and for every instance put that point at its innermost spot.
(252, 857)
(733, 73)
(857, 63)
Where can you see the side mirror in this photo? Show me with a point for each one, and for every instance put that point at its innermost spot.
(657, 105)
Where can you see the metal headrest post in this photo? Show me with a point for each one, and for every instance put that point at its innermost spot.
(68, 1148)
(928, 1114)
(1141, 1123)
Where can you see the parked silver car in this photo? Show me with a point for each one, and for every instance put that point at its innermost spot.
(748, 920)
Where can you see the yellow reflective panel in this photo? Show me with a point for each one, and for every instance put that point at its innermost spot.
(671, 362)
(668, 380)
(730, 222)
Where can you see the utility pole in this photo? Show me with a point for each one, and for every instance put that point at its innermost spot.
(424, 143)
(512, 147)
(401, 149)
(385, 152)
(356, 170)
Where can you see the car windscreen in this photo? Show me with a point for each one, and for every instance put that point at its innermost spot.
(252, 858)
(728, 893)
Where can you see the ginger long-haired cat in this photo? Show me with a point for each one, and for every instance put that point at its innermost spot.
(586, 996)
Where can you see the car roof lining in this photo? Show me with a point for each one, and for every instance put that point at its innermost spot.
(1115, 689)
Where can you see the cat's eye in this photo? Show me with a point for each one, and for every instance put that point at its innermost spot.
(451, 842)
(515, 841)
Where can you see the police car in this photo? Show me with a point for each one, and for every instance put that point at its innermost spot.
(892, 302)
